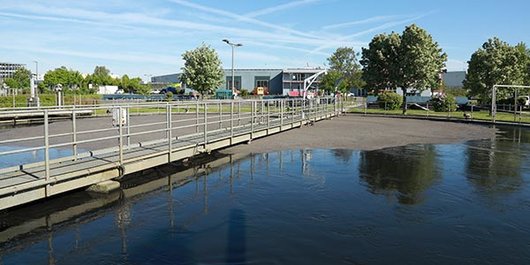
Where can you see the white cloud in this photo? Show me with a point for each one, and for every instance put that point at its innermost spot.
(277, 8)
(456, 65)
(359, 22)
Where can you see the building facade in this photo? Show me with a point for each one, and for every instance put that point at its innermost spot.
(7, 70)
(277, 81)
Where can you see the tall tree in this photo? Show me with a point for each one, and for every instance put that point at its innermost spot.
(101, 77)
(496, 62)
(69, 79)
(202, 69)
(344, 71)
(412, 60)
(381, 62)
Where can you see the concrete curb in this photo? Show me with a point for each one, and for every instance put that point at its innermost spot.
(442, 119)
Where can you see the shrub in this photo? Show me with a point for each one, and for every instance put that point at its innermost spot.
(444, 103)
(389, 100)
(243, 92)
(169, 96)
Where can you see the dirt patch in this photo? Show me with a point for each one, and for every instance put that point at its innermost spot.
(366, 133)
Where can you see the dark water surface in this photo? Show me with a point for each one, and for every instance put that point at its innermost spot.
(466, 203)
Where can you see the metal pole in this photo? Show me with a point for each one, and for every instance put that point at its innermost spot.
(515, 106)
(220, 115)
(169, 133)
(252, 118)
(268, 115)
(281, 114)
(231, 120)
(46, 147)
(120, 131)
(197, 116)
(493, 100)
(128, 121)
(74, 135)
(233, 72)
(205, 124)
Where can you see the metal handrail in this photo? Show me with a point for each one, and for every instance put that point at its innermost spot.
(228, 115)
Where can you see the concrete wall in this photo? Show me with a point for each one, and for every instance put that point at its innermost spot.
(454, 79)
(171, 78)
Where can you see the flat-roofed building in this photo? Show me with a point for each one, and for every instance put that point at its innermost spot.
(7, 70)
(277, 81)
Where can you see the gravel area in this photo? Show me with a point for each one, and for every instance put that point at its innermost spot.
(366, 133)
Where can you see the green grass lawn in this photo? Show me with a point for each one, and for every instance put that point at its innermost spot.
(481, 115)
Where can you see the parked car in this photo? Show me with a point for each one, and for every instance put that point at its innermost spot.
(168, 89)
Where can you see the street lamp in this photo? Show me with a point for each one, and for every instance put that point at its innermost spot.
(233, 45)
(37, 69)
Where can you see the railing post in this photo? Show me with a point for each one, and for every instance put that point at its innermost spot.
(231, 120)
(293, 112)
(74, 134)
(46, 147)
(335, 98)
(205, 124)
(220, 115)
(128, 121)
(197, 116)
(169, 132)
(238, 113)
(268, 115)
(252, 118)
(120, 132)
(281, 113)
(262, 112)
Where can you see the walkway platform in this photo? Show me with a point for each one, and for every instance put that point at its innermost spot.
(26, 183)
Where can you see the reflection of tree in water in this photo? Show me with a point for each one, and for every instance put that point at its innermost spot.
(494, 166)
(343, 154)
(407, 170)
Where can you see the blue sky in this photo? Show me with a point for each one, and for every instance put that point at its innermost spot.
(142, 38)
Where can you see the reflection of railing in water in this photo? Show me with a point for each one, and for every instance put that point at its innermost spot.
(20, 235)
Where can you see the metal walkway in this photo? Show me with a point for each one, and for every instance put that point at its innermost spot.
(200, 126)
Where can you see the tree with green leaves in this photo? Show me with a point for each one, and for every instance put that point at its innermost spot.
(410, 60)
(101, 77)
(495, 63)
(381, 67)
(133, 85)
(344, 71)
(68, 78)
(202, 69)
(20, 80)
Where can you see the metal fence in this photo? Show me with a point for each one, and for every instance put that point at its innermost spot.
(92, 130)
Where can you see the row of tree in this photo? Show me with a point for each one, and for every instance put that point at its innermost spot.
(74, 81)
(391, 61)
(410, 60)
(414, 60)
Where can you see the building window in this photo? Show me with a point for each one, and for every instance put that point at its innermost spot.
(262, 81)
(237, 83)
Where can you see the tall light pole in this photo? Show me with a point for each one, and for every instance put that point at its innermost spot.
(233, 45)
(36, 69)
(36, 76)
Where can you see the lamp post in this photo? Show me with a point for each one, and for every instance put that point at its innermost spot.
(37, 69)
(233, 45)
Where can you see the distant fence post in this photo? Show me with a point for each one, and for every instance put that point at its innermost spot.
(205, 124)
(74, 134)
(169, 132)
(46, 147)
